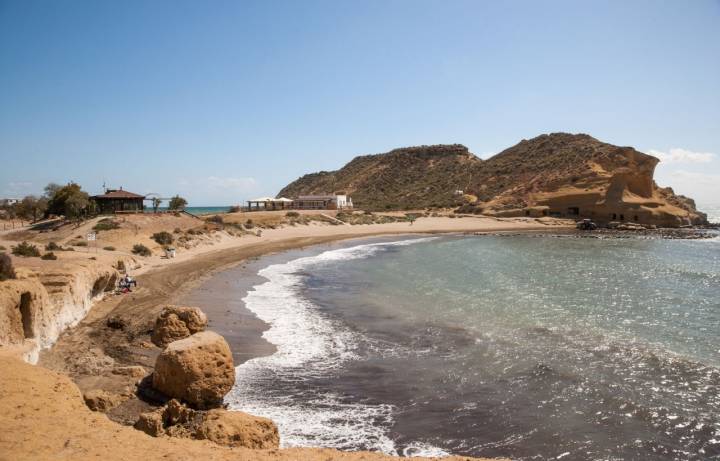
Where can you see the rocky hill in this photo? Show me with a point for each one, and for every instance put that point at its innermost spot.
(558, 174)
(411, 177)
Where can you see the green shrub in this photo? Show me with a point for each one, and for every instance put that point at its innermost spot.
(163, 238)
(2, 248)
(52, 246)
(26, 250)
(6, 268)
(249, 224)
(49, 256)
(140, 249)
(106, 225)
(292, 214)
(80, 243)
(109, 248)
(177, 231)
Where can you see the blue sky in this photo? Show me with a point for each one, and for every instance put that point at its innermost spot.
(220, 101)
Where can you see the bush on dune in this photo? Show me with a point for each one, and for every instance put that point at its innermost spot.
(163, 238)
(106, 224)
(142, 250)
(26, 250)
(50, 256)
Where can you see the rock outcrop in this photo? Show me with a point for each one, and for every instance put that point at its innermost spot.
(228, 428)
(37, 306)
(562, 175)
(100, 400)
(54, 423)
(238, 429)
(198, 370)
(176, 323)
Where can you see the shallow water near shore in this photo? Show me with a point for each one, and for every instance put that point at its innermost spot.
(531, 347)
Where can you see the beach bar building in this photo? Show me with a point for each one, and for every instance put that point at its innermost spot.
(323, 202)
(269, 204)
(119, 201)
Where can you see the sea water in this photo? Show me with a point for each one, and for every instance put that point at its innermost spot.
(530, 347)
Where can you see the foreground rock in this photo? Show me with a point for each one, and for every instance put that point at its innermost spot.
(100, 400)
(198, 370)
(176, 323)
(31, 395)
(237, 429)
(228, 428)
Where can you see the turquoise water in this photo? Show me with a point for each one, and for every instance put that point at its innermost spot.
(530, 347)
(197, 210)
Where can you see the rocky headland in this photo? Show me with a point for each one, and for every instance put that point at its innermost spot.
(561, 175)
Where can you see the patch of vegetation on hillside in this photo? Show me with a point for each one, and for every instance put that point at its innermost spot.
(26, 250)
(106, 224)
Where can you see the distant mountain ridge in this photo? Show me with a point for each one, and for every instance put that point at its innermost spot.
(558, 174)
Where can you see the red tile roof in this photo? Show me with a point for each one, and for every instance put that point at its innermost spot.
(110, 194)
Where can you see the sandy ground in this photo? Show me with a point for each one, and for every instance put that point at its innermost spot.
(52, 422)
(44, 418)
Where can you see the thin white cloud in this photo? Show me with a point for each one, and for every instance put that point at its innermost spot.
(679, 155)
(703, 187)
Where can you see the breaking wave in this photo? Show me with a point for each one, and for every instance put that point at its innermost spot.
(310, 346)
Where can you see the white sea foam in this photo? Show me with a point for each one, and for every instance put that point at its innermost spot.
(309, 345)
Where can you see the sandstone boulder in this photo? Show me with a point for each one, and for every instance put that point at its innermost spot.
(237, 429)
(198, 370)
(151, 423)
(176, 323)
(228, 428)
(100, 400)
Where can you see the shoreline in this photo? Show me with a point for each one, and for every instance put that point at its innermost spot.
(90, 351)
(172, 280)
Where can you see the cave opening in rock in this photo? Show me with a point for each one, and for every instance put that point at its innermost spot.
(26, 315)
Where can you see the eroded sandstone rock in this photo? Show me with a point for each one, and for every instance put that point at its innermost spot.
(228, 428)
(100, 400)
(176, 323)
(198, 370)
(237, 429)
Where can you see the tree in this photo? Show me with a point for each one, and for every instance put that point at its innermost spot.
(31, 207)
(177, 203)
(51, 189)
(156, 201)
(70, 201)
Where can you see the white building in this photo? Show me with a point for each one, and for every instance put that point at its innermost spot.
(9, 201)
(323, 202)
